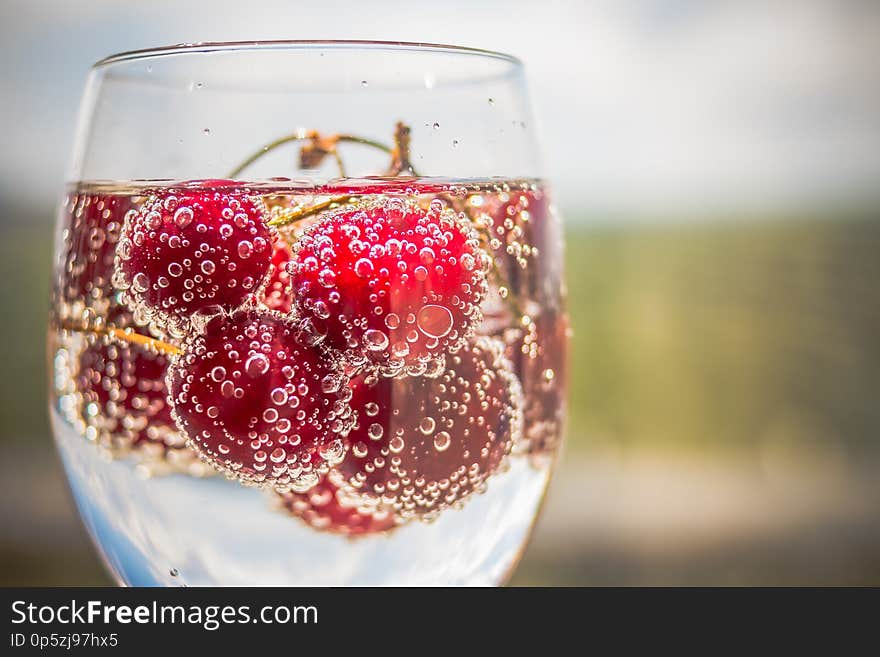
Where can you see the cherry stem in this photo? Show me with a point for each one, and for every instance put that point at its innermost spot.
(400, 164)
(313, 136)
(366, 142)
(292, 215)
(339, 164)
(400, 153)
(271, 146)
(126, 335)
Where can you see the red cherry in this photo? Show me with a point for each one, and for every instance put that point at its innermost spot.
(423, 444)
(515, 217)
(395, 285)
(276, 295)
(188, 253)
(539, 352)
(328, 508)
(122, 390)
(526, 241)
(258, 403)
(91, 230)
(214, 184)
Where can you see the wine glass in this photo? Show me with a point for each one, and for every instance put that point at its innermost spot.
(308, 315)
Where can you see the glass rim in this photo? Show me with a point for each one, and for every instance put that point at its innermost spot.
(300, 44)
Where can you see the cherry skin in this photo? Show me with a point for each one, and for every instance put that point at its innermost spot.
(192, 252)
(258, 402)
(276, 295)
(328, 508)
(396, 286)
(538, 350)
(94, 222)
(122, 391)
(527, 244)
(423, 444)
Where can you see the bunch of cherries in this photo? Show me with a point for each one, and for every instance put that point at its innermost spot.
(339, 367)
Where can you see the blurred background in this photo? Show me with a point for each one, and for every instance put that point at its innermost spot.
(718, 167)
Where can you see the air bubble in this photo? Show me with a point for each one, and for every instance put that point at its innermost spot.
(321, 310)
(375, 340)
(442, 441)
(327, 277)
(140, 282)
(183, 217)
(279, 396)
(363, 267)
(376, 431)
(427, 425)
(435, 321)
(227, 388)
(330, 383)
(257, 365)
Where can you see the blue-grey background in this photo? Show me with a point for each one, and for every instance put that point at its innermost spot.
(717, 164)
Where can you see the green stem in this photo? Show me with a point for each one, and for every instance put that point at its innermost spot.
(272, 145)
(339, 163)
(290, 216)
(366, 142)
(301, 136)
(399, 163)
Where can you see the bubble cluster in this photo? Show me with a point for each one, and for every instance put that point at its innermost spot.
(538, 349)
(121, 387)
(396, 286)
(528, 242)
(192, 253)
(113, 392)
(276, 295)
(423, 444)
(372, 365)
(258, 403)
(92, 227)
(331, 509)
(513, 218)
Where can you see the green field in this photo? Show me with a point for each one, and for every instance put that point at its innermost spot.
(722, 335)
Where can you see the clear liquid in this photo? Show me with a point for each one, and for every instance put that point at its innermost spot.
(178, 530)
(161, 516)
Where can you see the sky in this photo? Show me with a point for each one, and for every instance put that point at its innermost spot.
(642, 106)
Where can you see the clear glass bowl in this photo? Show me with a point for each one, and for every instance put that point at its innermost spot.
(308, 315)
